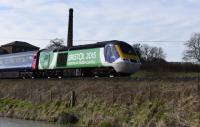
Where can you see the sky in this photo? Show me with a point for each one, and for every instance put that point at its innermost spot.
(163, 23)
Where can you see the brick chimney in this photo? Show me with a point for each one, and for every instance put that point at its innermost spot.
(70, 29)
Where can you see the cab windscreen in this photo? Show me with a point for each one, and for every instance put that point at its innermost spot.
(110, 53)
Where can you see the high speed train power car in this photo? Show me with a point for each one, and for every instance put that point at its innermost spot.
(106, 58)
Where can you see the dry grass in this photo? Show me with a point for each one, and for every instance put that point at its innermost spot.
(122, 102)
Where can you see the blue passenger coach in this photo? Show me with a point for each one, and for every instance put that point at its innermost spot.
(17, 61)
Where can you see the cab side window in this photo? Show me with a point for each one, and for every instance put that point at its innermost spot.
(108, 53)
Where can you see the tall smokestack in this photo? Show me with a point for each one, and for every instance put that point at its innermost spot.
(70, 29)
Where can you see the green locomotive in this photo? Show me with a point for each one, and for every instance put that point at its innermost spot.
(101, 59)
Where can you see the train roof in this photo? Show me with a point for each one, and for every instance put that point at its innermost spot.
(18, 54)
(95, 45)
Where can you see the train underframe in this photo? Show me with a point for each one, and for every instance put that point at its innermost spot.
(60, 73)
(86, 72)
(16, 74)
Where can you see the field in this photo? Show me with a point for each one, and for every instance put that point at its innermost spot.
(145, 99)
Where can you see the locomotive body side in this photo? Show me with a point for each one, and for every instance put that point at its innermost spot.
(68, 62)
(84, 58)
(112, 57)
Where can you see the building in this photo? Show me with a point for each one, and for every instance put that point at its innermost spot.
(17, 46)
(3, 51)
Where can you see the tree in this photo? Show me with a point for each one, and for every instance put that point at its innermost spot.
(192, 51)
(149, 53)
(157, 52)
(56, 43)
(137, 47)
(146, 52)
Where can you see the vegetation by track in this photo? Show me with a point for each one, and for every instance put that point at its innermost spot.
(105, 102)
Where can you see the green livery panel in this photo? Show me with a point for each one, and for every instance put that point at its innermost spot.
(79, 58)
(70, 59)
(84, 58)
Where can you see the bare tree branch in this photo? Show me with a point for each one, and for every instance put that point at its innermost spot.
(149, 53)
(192, 52)
(56, 43)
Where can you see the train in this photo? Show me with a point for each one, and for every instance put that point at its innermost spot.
(107, 58)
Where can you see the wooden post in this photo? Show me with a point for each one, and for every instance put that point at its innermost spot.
(30, 94)
(113, 96)
(150, 92)
(173, 106)
(60, 97)
(15, 93)
(73, 99)
(131, 99)
(121, 98)
(40, 98)
(51, 96)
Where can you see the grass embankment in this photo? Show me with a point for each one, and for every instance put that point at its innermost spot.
(111, 103)
(50, 112)
(164, 75)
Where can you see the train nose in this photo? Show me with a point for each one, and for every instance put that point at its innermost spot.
(127, 67)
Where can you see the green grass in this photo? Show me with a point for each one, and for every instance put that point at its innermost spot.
(26, 110)
(104, 124)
